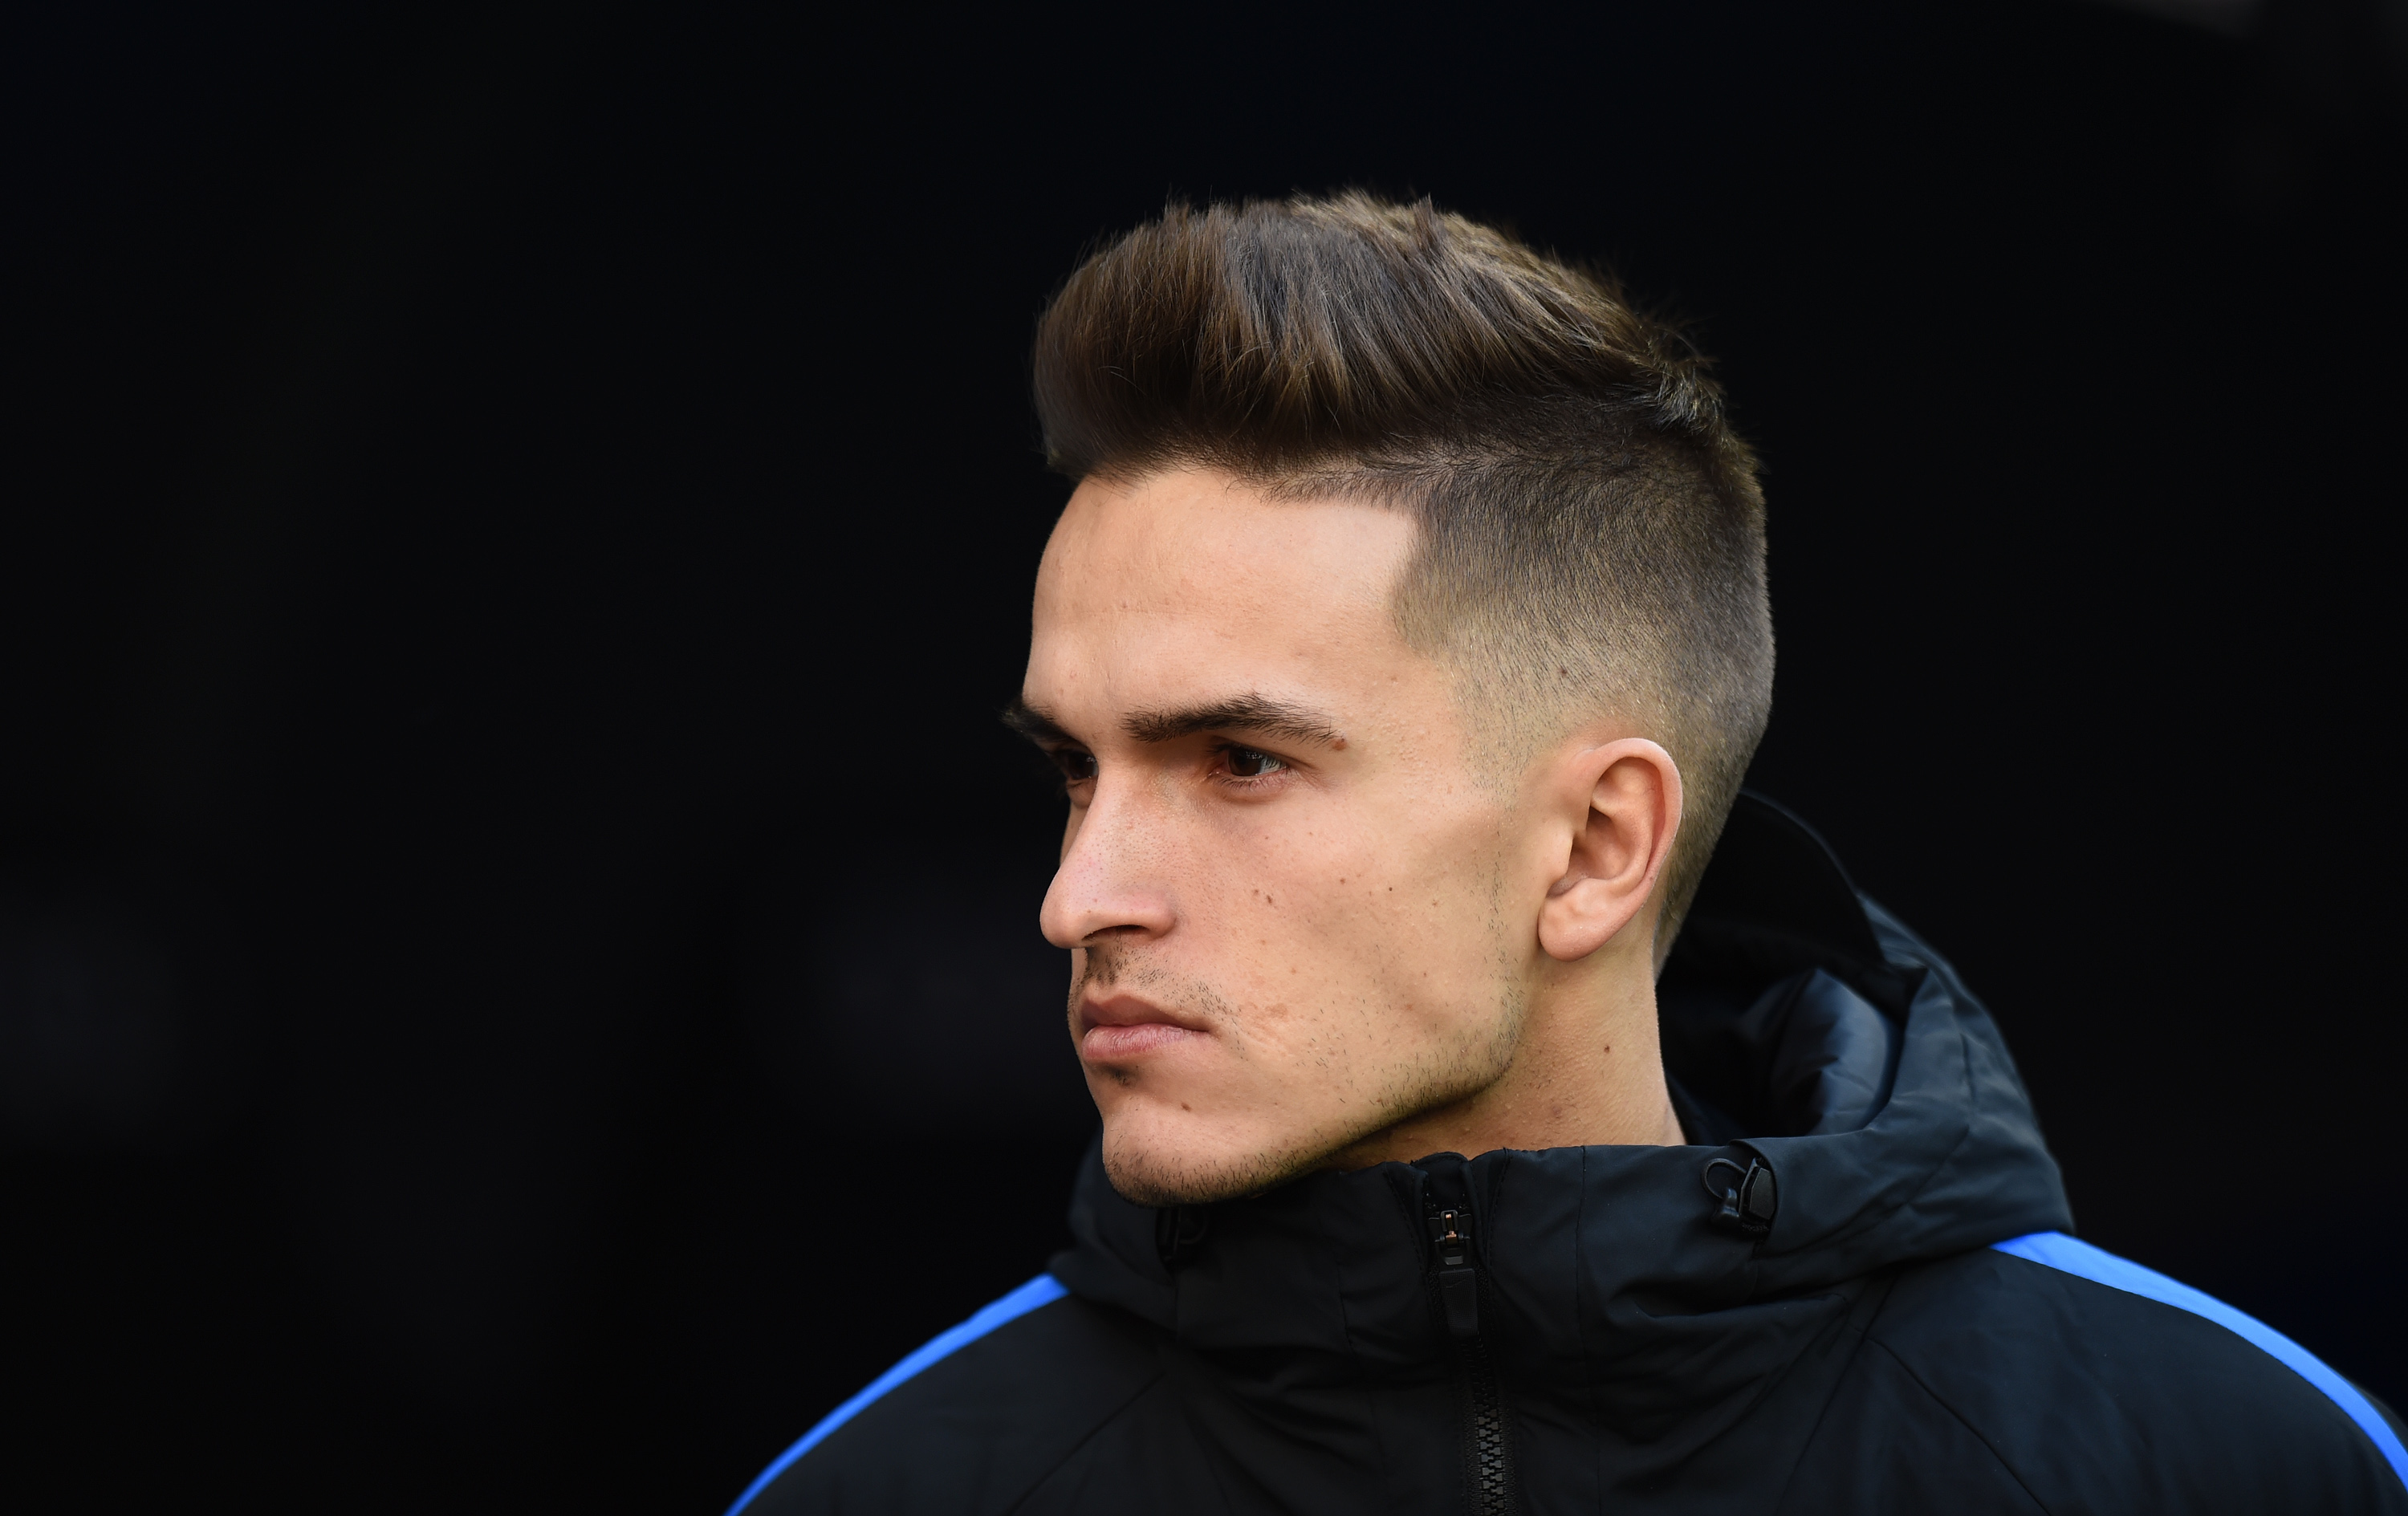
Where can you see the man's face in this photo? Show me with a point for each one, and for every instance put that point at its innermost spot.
(1293, 912)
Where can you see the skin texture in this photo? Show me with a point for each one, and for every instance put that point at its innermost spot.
(1306, 930)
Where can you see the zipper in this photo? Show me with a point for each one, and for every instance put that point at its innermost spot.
(1488, 1436)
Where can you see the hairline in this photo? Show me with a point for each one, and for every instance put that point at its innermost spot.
(1497, 748)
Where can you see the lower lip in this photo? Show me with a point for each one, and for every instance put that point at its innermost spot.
(1114, 1044)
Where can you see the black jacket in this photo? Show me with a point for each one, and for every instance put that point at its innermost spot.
(1805, 1311)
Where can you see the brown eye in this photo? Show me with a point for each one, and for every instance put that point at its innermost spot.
(1076, 767)
(1248, 764)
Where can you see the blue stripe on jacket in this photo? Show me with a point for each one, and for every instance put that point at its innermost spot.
(2051, 1249)
(1041, 1290)
(2057, 1250)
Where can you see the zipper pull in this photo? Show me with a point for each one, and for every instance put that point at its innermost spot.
(1458, 1286)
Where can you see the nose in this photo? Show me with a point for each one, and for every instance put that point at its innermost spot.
(1111, 881)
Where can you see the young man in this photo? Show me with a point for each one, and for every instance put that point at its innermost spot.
(1469, 1142)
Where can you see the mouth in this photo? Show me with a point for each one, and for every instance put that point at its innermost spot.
(1123, 1027)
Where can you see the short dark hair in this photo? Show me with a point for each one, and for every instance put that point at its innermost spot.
(1591, 529)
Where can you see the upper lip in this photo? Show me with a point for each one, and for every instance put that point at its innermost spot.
(1129, 1011)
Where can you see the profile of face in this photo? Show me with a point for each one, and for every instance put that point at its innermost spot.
(1301, 917)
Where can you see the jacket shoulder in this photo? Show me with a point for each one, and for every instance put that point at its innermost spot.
(979, 1424)
(2096, 1397)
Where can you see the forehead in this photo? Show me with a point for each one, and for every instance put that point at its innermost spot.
(1191, 585)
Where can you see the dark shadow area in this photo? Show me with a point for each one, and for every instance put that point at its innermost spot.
(519, 985)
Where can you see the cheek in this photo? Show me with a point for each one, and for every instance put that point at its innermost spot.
(1434, 927)
(1365, 954)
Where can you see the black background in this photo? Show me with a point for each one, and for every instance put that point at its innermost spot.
(518, 977)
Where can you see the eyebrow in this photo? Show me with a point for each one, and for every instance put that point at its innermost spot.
(1034, 724)
(1248, 712)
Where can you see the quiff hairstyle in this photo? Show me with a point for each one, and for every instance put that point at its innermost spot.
(1591, 531)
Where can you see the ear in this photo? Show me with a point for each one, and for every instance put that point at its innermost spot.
(1626, 800)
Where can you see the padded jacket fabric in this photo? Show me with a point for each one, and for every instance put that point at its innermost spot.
(1802, 1311)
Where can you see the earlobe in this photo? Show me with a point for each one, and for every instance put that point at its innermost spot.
(1579, 918)
(1620, 839)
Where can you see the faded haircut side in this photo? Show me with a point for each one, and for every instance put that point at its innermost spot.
(1591, 530)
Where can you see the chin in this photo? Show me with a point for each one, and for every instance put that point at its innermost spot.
(1194, 1161)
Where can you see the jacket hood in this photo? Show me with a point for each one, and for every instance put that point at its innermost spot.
(1851, 1106)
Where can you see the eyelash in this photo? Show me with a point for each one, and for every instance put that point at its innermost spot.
(1249, 782)
(1077, 766)
(1066, 760)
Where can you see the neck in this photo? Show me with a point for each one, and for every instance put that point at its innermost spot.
(1587, 1070)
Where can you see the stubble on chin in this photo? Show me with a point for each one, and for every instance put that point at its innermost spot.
(1159, 1170)
(1151, 1165)
(1149, 1176)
